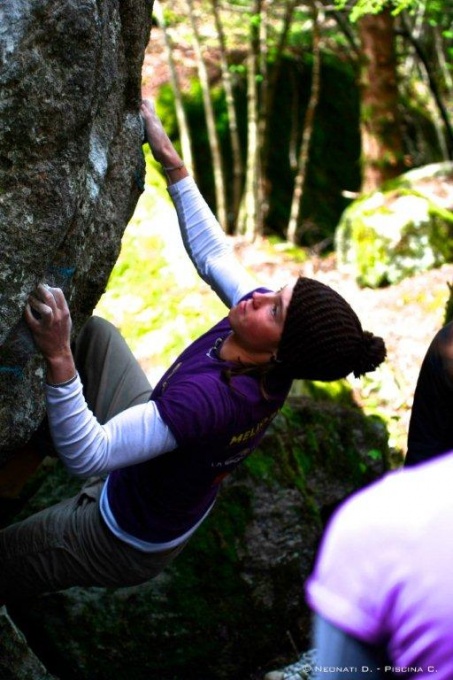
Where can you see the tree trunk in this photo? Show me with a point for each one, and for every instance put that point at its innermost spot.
(238, 166)
(269, 88)
(307, 131)
(249, 215)
(184, 132)
(427, 73)
(382, 149)
(250, 222)
(210, 121)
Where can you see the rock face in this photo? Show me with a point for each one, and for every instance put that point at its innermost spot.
(17, 661)
(405, 228)
(71, 169)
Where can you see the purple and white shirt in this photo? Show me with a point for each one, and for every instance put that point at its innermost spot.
(216, 426)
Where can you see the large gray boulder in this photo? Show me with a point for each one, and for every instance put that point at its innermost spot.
(71, 169)
(403, 229)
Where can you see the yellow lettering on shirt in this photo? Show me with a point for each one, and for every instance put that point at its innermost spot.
(252, 432)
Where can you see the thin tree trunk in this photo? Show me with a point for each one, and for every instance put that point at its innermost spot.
(345, 26)
(274, 75)
(414, 29)
(307, 134)
(272, 80)
(238, 166)
(382, 148)
(184, 132)
(210, 121)
(444, 67)
(249, 211)
(269, 88)
(446, 142)
(262, 85)
(293, 155)
(250, 215)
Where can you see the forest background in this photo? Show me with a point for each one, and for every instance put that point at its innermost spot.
(286, 112)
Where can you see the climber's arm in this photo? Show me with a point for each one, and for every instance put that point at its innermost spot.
(203, 237)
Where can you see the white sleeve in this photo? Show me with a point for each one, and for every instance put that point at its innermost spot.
(86, 447)
(207, 245)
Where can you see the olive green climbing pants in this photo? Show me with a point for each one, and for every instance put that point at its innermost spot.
(69, 544)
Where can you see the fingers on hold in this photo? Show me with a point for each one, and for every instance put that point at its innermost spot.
(58, 294)
(28, 313)
(45, 289)
(40, 308)
(31, 314)
(46, 310)
(50, 294)
(147, 106)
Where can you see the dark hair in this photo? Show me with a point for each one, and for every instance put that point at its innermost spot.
(258, 371)
(322, 336)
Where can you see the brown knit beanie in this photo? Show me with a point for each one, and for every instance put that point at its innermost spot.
(322, 336)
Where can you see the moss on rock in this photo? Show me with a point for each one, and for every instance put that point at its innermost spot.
(405, 228)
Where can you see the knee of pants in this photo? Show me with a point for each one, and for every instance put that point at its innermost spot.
(96, 324)
(94, 333)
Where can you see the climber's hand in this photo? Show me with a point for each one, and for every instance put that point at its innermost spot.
(156, 136)
(48, 317)
(161, 146)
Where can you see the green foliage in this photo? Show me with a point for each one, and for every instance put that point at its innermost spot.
(237, 68)
(255, 20)
(362, 7)
(374, 454)
(300, 39)
(448, 315)
(338, 391)
(438, 13)
(324, 435)
(313, 435)
(293, 252)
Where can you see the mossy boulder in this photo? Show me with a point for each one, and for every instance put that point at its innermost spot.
(405, 228)
(233, 601)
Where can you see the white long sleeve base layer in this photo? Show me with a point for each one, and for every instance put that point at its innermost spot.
(88, 448)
